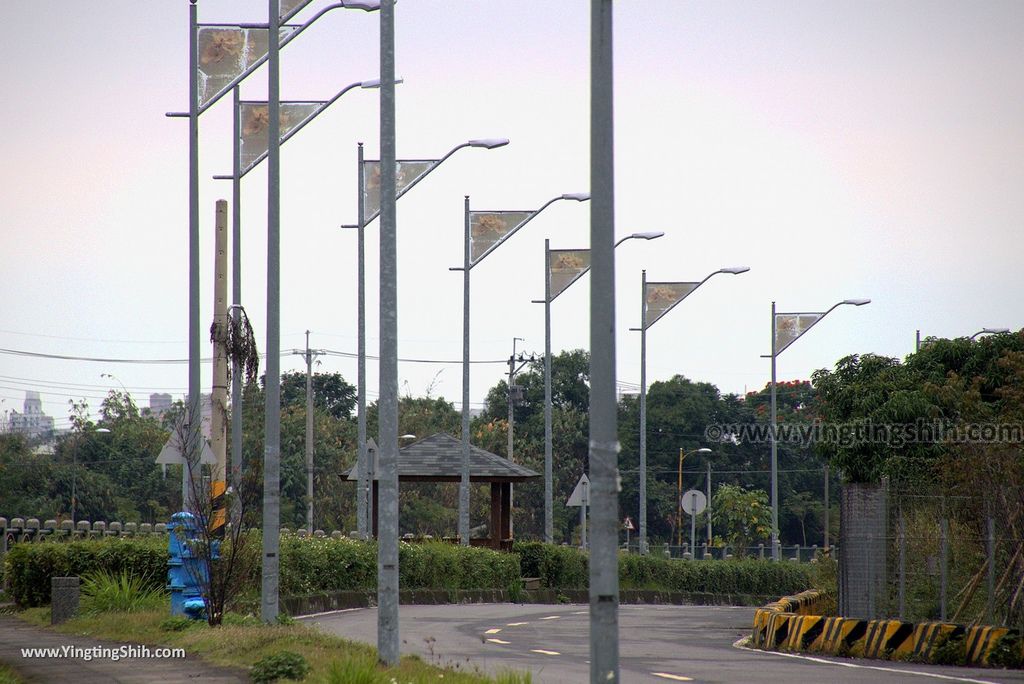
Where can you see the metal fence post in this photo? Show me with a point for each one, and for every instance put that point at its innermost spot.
(944, 576)
(990, 612)
(903, 566)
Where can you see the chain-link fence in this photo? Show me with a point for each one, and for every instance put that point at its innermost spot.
(955, 557)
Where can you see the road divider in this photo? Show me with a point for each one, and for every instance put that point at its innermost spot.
(793, 623)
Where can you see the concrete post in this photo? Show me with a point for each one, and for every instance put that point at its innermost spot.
(64, 596)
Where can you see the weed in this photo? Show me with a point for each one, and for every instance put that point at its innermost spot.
(283, 665)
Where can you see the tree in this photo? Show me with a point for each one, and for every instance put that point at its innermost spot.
(745, 514)
(331, 393)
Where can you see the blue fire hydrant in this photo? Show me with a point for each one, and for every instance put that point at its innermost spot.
(187, 574)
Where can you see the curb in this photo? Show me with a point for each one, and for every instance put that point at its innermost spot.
(792, 624)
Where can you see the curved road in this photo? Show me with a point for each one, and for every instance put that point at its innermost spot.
(657, 644)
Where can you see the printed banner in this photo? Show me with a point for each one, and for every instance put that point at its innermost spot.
(566, 266)
(487, 229)
(226, 53)
(290, 8)
(788, 327)
(255, 120)
(406, 173)
(660, 297)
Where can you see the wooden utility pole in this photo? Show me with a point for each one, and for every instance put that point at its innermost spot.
(219, 408)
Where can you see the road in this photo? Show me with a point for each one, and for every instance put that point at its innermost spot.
(657, 644)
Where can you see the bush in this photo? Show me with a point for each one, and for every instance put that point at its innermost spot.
(1006, 652)
(558, 567)
(108, 592)
(565, 567)
(29, 567)
(283, 665)
(176, 623)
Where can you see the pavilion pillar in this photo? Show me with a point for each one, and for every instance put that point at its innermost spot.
(496, 515)
(506, 511)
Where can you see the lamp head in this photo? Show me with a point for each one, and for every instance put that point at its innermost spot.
(856, 302)
(703, 450)
(648, 235)
(734, 270)
(366, 5)
(578, 196)
(995, 331)
(489, 143)
(375, 83)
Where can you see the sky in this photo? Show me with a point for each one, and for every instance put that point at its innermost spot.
(840, 150)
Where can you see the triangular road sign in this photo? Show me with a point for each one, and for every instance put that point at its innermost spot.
(581, 493)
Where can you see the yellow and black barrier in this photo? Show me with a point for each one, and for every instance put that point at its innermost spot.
(790, 624)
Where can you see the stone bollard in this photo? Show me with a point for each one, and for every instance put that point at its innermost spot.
(63, 599)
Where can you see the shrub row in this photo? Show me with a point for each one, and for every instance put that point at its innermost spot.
(29, 567)
(313, 565)
(565, 567)
(317, 565)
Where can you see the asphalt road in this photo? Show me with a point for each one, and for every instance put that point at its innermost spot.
(657, 644)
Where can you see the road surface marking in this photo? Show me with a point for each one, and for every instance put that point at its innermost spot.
(673, 677)
(741, 643)
(582, 612)
(494, 630)
(551, 617)
(543, 652)
(329, 612)
(499, 641)
(516, 624)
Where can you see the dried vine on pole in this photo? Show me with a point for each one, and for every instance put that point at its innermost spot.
(241, 348)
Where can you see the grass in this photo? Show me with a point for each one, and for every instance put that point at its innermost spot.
(332, 660)
(119, 593)
(9, 676)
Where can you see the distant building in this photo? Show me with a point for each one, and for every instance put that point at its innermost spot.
(159, 404)
(33, 423)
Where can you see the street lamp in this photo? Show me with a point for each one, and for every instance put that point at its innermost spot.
(250, 147)
(485, 231)
(563, 267)
(408, 172)
(679, 496)
(657, 299)
(990, 331)
(787, 328)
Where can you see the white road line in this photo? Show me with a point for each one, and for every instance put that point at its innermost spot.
(741, 644)
(543, 652)
(582, 612)
(499, 641)
(493, 630)
(551, 617)
(673, 677)
(516, 624)
(328, 612)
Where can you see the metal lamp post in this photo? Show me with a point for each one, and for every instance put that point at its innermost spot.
(657, 299)
(562, 268)
(250, 147)
(485, 231)
(786, 329)
(418, 169)
(679, 496)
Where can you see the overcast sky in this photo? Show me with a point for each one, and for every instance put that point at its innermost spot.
(842, 149)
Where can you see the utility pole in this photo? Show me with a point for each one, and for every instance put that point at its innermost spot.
(512, 395)
(219, 399)
(309, 436)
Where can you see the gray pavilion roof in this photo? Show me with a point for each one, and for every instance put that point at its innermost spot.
(439, 458)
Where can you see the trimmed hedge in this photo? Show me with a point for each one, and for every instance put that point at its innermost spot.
(565, 567)
(315, 565)
(29, 567)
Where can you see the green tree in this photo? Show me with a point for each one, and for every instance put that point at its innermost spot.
(745, 514)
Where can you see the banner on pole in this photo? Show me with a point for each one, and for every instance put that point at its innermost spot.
(790, 326)
(289, 8)
(566, 266)
(488, 229)
(255, 121)
(659, 298)
(226, 54)
(406, 173)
